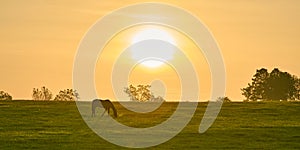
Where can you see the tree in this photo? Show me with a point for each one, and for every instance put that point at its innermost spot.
(256, 90)
(5, 96)
(248, 93)
(67, 95)
(276, 85)
(297, 85)
(43, 94)
(281, 86)
(141, 93)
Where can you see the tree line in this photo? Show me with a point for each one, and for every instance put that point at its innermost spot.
(44, 94)
(63, 95)
(264, 86)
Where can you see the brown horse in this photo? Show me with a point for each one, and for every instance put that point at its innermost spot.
(106, 104)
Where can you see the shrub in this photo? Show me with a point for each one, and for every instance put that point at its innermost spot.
(67, 95)
(43, 94)
(5, 96)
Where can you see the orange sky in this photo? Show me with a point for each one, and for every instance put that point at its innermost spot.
(39, 39)
(145, 75)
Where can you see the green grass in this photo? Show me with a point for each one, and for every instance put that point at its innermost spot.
(58, 125)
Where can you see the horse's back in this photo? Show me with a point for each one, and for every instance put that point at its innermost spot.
(106, 104)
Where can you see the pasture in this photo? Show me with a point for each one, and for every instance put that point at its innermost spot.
(58, 125)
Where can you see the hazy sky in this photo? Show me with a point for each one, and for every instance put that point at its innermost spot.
(39, 39)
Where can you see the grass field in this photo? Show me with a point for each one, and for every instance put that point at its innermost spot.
(58, 125)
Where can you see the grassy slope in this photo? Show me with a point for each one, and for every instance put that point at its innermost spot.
(58, 125)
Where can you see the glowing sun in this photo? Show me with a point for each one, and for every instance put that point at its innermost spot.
(153, 34)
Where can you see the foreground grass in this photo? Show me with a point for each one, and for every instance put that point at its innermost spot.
(58, 125)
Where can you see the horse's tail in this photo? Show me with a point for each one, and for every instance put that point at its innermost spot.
(114, 109)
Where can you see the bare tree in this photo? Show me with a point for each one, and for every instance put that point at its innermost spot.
(43, 94)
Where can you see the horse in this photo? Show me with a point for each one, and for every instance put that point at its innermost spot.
(106, 104)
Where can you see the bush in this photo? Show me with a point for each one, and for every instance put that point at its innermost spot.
(43, 94)
(5, 96)
(67, 95)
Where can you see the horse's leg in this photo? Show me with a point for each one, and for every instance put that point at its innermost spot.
(103, 112)
(94, 113)
(93, 110)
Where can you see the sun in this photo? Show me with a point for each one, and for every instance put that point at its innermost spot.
(152, 63)
(153, 34)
